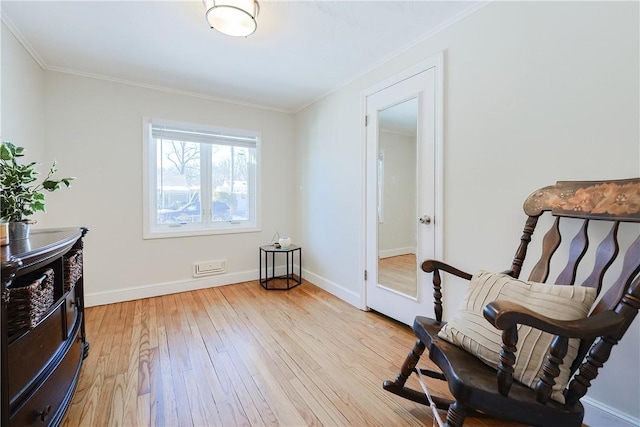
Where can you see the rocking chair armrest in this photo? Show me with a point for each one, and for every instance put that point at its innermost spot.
(505, 314)
(434, 266)
(431, 265)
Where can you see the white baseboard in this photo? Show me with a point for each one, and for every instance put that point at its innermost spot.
(396, 252)
(165, 288)
(341, 292)
(156, 289)
(598, 414)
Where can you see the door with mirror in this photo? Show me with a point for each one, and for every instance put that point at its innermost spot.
(401, 194)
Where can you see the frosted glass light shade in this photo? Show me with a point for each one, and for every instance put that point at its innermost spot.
(232, 17)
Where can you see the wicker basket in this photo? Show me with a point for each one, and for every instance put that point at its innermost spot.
(72, 268)
(29, 299)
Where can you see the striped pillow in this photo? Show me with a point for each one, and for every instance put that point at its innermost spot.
(472, 332)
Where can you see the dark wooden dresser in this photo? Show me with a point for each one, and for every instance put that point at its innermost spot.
(43, 341)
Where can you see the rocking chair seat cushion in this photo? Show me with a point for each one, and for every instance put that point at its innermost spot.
(472, 332)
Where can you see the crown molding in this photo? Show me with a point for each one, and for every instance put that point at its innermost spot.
(166, 89)
(23, 41)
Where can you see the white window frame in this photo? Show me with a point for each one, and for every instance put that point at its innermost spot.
(152, 230)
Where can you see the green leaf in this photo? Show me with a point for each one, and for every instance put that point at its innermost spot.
(51, 185)
(67, 181)
(38, 206)
(6, 151)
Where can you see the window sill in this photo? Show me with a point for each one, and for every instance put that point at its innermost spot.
(191, 232)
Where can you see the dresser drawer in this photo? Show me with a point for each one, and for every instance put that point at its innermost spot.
(30, 354)
(49, 401)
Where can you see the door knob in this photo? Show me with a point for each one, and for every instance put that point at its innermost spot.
(425, 220)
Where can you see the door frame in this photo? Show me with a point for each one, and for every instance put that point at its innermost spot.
(437, 63)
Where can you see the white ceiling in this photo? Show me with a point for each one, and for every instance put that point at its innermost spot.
(302, 50)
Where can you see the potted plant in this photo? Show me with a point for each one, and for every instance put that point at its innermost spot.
(22, 193)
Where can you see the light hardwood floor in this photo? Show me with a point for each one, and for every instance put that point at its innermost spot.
(399, 273)
(239, 355)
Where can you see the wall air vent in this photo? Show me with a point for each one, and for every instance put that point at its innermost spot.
(209, 268)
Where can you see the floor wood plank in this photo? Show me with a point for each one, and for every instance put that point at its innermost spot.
(399, 273)
(240, 355)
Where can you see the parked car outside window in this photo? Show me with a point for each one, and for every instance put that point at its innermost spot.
(191, 213)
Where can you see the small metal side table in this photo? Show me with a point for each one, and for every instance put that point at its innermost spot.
(291, 278)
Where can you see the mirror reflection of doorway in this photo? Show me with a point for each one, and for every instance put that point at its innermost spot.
(397, 210)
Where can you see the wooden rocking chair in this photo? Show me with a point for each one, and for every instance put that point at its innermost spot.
(479, 389)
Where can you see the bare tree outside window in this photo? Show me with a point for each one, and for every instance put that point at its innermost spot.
(181, 153)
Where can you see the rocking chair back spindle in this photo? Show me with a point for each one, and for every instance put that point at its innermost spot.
(604, 207)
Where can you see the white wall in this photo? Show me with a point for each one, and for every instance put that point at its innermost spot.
(94, 129)
(397, 232)
(2, 31)
(534, 92)
(23, 104)
(95, 126)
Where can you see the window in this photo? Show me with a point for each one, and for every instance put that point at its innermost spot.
(199, 180)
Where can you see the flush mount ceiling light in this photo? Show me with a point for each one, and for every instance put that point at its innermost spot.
(232, 17)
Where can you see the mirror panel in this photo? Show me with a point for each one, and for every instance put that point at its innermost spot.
(397, 197)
